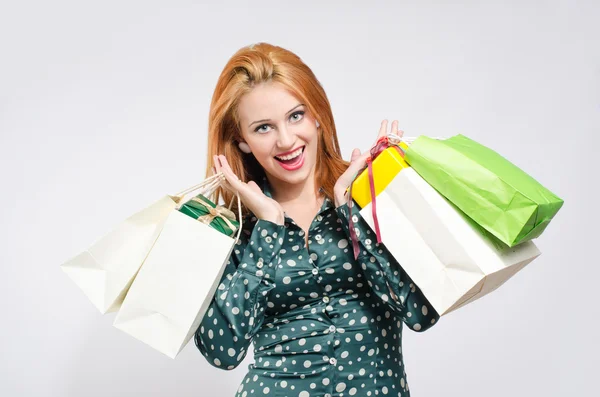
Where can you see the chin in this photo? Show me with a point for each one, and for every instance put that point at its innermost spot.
(292, 177)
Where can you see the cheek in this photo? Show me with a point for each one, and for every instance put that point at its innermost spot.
(262, 153)
(315, 145)
(260, 147)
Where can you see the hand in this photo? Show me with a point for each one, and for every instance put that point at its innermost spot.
(357, 163)
(254, 199)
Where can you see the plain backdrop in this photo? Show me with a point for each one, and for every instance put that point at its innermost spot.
(104, 106)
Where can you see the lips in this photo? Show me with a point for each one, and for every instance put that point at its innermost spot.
(293, 164)
(301, 148)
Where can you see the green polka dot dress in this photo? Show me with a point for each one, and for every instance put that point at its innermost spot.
(321, 322)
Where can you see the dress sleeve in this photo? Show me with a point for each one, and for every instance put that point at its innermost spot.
(237, 309)
(386, 277)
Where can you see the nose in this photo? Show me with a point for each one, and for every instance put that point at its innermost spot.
(285, 138)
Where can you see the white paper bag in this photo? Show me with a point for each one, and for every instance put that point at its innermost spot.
(105, 270)
(175, 285)
(447, 256)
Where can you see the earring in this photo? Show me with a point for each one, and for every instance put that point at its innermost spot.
(317, 123)
(244, 147)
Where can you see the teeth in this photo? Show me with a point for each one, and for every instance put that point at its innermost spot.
(291, 155)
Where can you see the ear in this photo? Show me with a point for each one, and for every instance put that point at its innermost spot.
(244, 147)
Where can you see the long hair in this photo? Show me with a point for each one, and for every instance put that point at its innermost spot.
(247, 68)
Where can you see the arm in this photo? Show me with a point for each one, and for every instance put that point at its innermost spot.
(237, 310)
(386, 277)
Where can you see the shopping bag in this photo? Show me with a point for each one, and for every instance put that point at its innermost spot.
(105, 270)
(385, 165)
(173, 289)
(450, 258)
(491, 190)
(386, 160)
(207, 212)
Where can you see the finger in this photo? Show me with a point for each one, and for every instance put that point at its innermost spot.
(355, 155)
(382, 130)
(217, 164)
(214, 166)
(395, 127)
(219, 168)
(233, 180)
(358, 162)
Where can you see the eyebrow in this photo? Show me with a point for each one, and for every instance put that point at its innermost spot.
(288, 112)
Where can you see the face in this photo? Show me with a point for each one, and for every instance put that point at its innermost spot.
(273, 122)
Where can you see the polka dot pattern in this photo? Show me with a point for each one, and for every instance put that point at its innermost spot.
(321, 323)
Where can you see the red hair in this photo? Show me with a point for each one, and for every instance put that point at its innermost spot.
(248, 67)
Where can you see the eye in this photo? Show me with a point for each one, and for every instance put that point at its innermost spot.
(259, 128)
(298, 113)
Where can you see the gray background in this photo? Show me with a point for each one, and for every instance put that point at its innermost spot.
(103, 109)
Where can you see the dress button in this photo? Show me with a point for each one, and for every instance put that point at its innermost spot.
(326, 299)
(327, 395)
(332, 328)
(329, 308)
(259, 265)
(315, 271)
(332, 361)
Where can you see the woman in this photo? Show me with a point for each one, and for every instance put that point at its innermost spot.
(322, 323)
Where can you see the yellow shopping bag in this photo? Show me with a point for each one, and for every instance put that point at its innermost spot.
(386, 166)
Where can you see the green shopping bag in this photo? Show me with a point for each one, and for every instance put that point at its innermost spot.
(495, 193)
(218, 217)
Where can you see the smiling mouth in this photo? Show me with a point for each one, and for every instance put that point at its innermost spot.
(291, 161)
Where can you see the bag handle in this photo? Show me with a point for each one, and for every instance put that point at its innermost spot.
(395, 139)
(205, 182)
(202, 188)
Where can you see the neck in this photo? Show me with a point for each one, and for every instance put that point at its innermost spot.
(288, 194)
